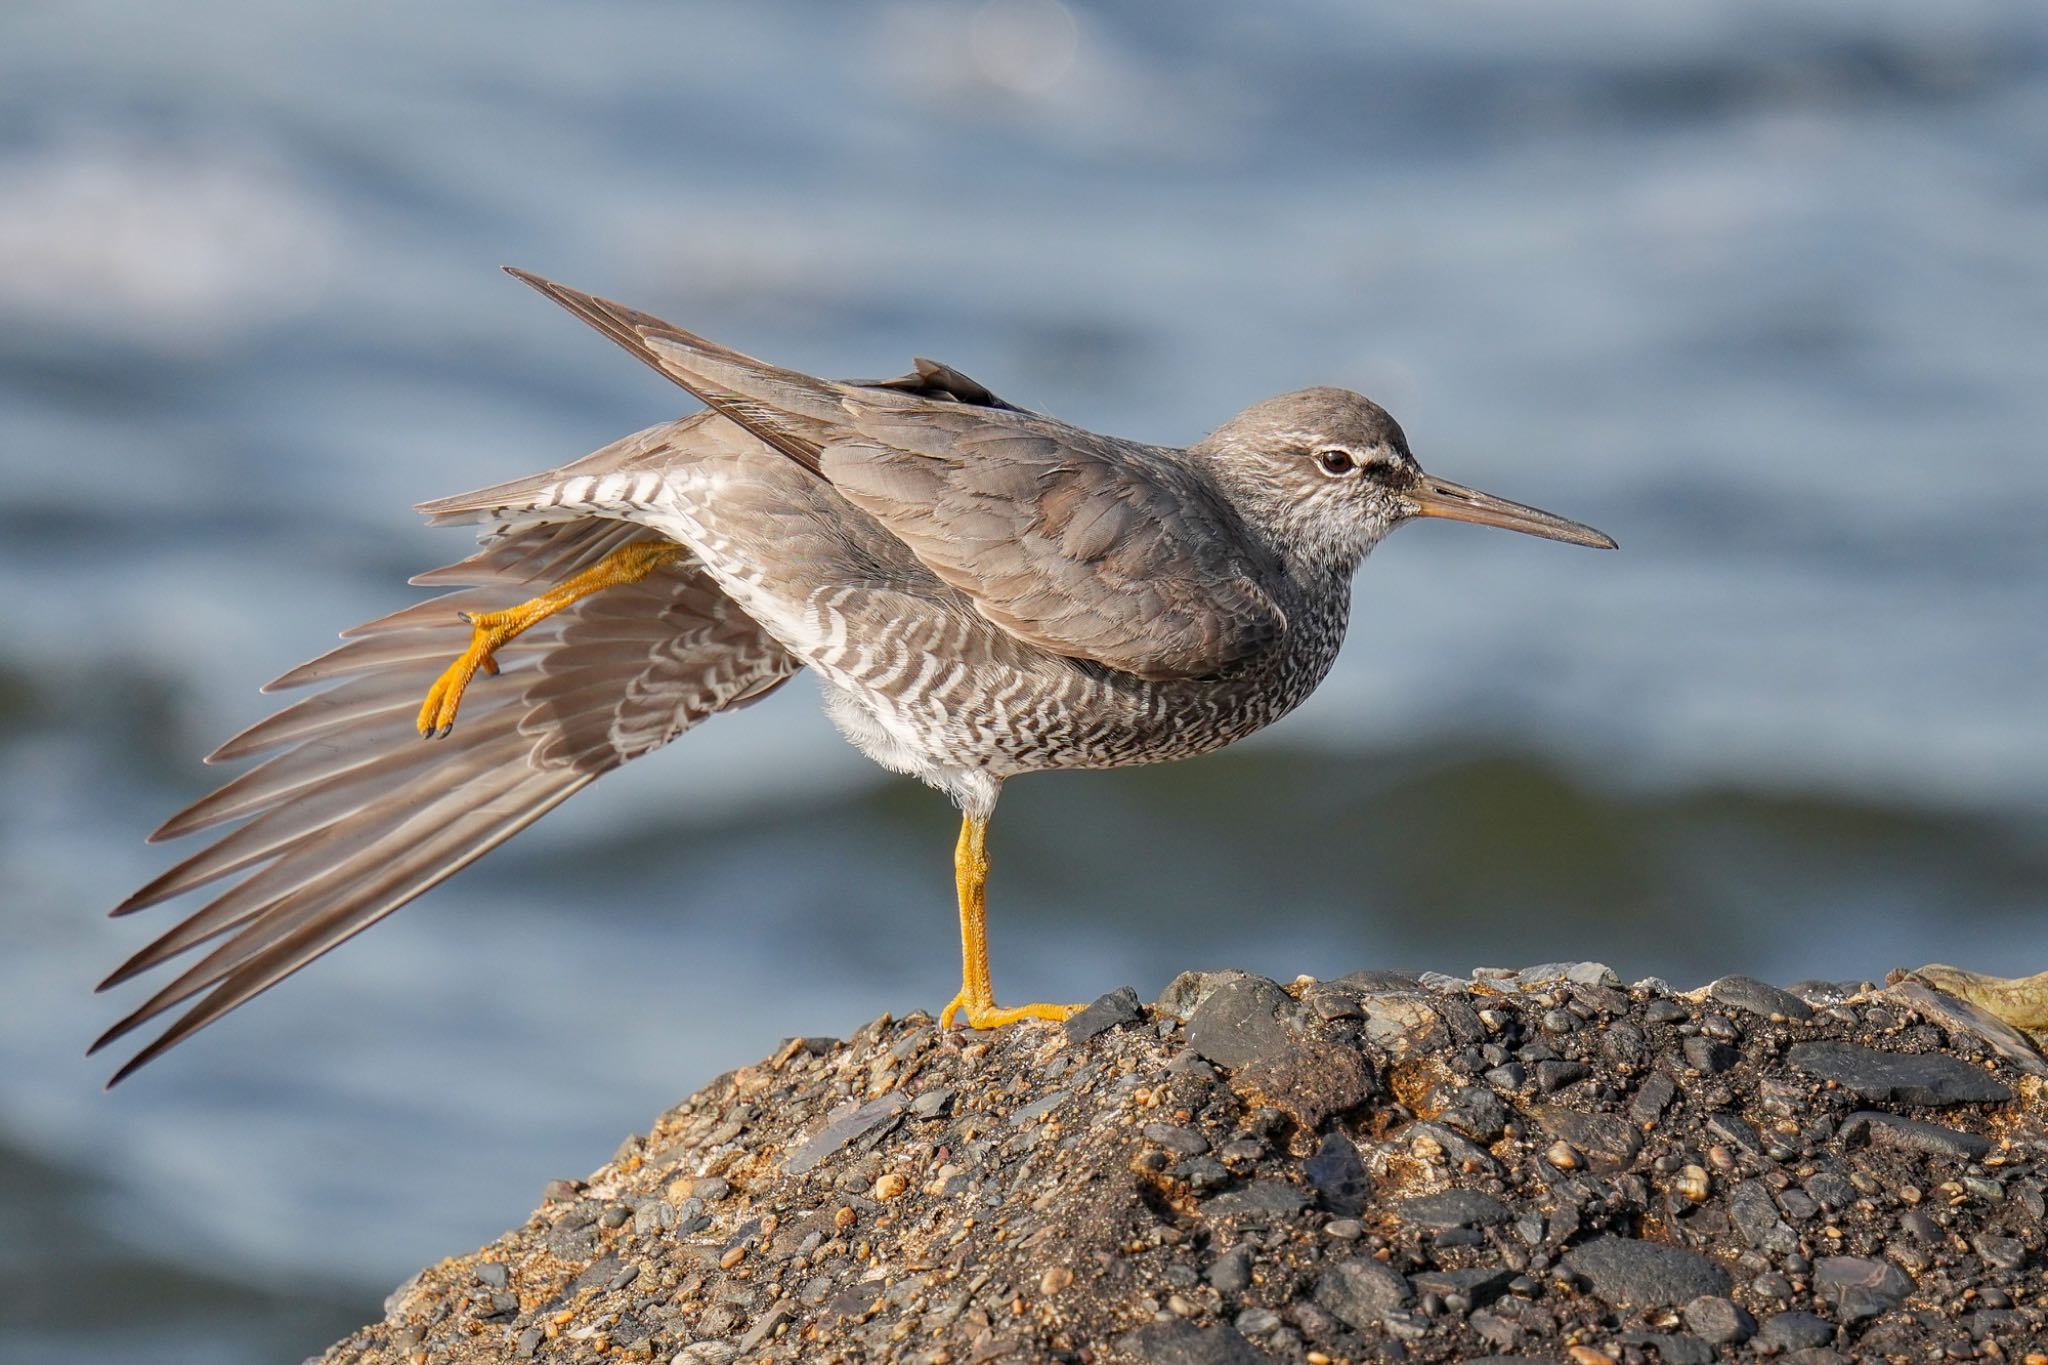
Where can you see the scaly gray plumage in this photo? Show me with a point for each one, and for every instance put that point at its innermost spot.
(984, 592)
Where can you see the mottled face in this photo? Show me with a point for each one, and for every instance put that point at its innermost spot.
(1328, 473)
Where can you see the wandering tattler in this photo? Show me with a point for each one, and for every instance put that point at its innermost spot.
(983, 591)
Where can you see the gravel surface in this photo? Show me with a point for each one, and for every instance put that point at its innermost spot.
(1535, 1165)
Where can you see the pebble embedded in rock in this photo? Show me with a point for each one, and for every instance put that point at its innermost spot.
(1933, 1079)
(1454, 1209)
(1630, 1273)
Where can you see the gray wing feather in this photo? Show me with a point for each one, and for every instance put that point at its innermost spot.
(354, 815)
(1075, 543)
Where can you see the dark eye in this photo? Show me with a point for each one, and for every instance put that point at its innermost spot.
(1336, 461)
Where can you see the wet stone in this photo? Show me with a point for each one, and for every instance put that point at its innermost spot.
(1912, 1135)
(1859, 1287)
(1629, 1273)
(1118, 1009)
(1933, 1079)
(1758, 997)
(1361, 1291)
(1454, 1209)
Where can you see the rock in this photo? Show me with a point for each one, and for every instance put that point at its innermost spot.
(1754, 1214)
(1963, 1016)
(1794, 1330)
(1672, 1348)
(1706, 1056)
(1185, 1141)
(1014, 1195)
(1376, 982)
(843, 1126)
(1118, 1009)
(1912, 1135)
(1338, 1175)
(1261, 1200)
(1239, 1022)
(1312, 1082)
(1454, 1209)
(1476, 1112)
(1859, 1287)
(1629, 1273)
(1610, 1141)
(1360, 1291)
(1652, 1098)
(1933, 1079)
(1748, 993)
(2001, 1253)
(1183, 1343)
(1232, 1272)
(1405, 1025)
(1478, 1286)
(1718, 1321)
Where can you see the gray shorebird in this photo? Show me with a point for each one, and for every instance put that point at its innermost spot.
(982, 591)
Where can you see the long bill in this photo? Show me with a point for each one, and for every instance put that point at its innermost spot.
(1435, 497)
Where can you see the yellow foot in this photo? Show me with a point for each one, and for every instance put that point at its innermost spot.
(490, 630)
(988, 1014)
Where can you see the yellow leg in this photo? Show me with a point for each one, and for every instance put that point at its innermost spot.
(977, 999)
(492, 629)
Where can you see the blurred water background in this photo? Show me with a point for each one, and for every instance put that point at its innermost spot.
(1758, 288)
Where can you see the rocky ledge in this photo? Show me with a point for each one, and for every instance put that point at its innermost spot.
(1534, 1165)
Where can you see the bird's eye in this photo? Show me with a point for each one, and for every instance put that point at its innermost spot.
(1336, 461)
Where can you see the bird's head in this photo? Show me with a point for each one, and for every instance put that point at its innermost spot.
(1327, 473)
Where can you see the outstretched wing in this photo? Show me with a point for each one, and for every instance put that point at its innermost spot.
(353, 815)
(1075, 543)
